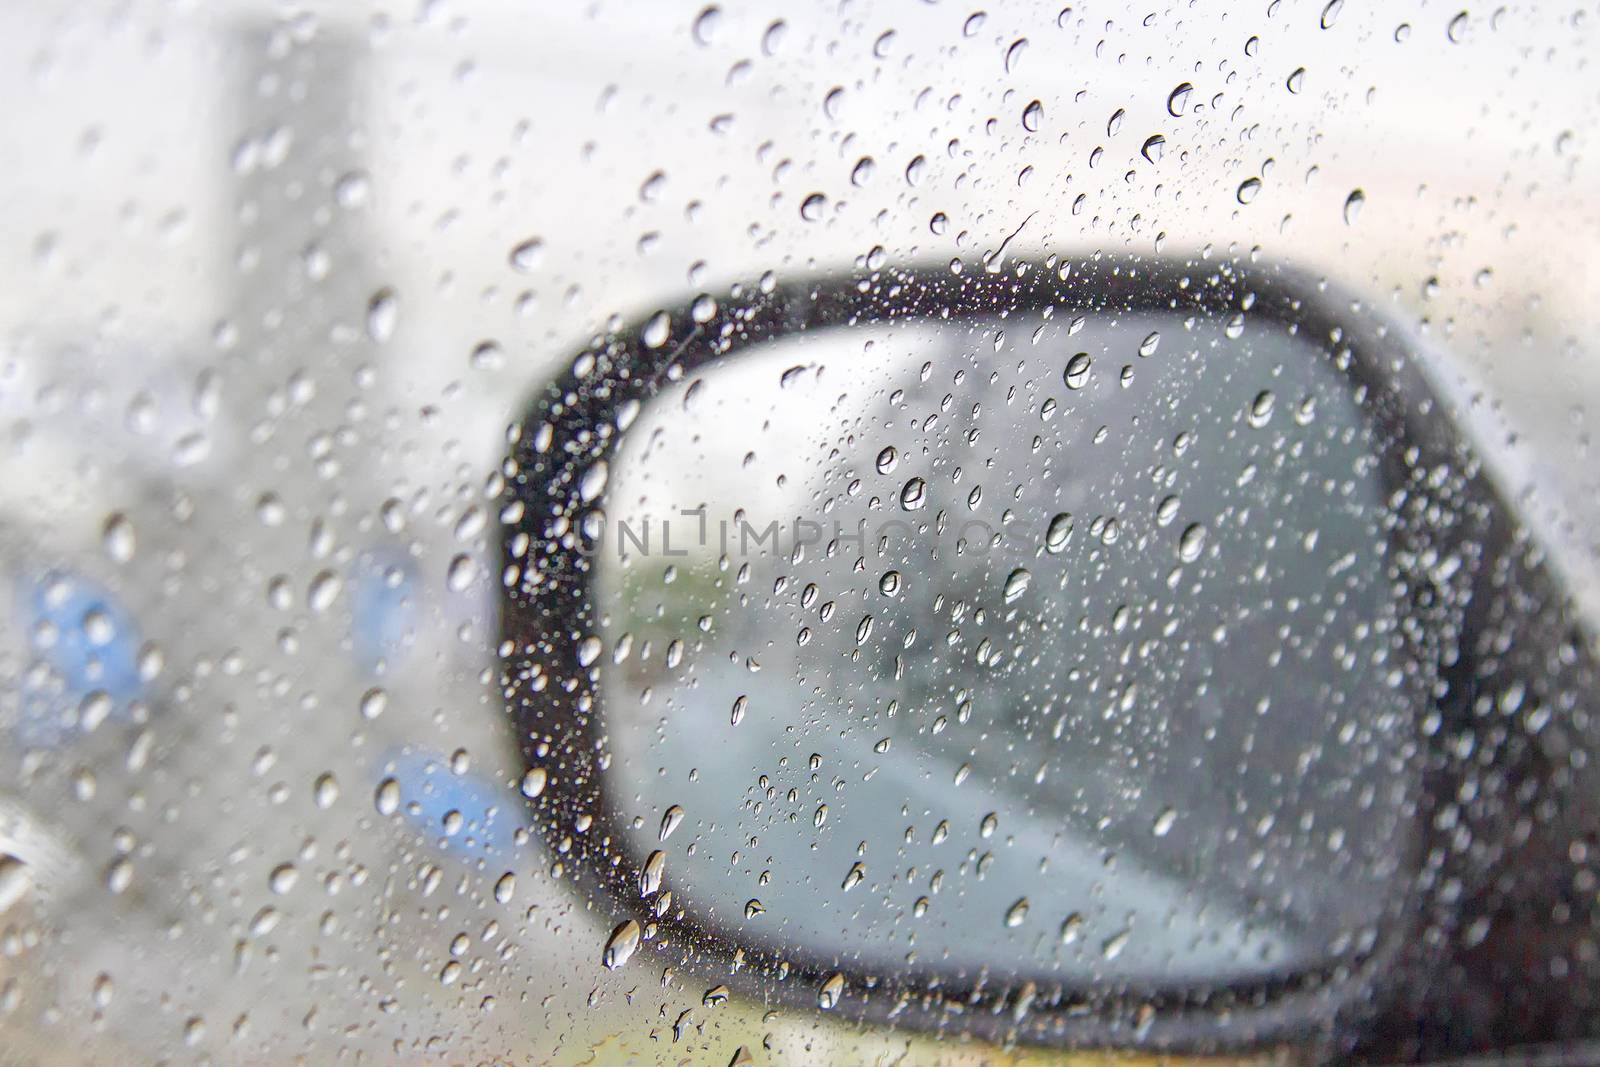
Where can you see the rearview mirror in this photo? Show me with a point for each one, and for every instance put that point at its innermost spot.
(1039, 643)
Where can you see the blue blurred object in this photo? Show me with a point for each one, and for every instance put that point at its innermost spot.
(430, 791)
(384, 607)
(90, 643)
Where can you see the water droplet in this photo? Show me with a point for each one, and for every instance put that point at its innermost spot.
(1058, 533)
(862, 172)
(1032, 116)
(325, 791)
(650, 875)
(1192, 542)
(1153, 147)
(1352, 206)
(589, 650)
(526, 256)
(831, 991)
(1178, 99)
(15, 881)
(1261, 408)
(889, 584)
(1148, 346)
(753, 907)
(621, 945)
(1076, 375)
(383, 315)
(373, 702)
(1071, 928)
(1113, 945)
(505, 888)
(1331, 12)
(854, 876)
(386, 798)
(670, 821)
(913, 495)
(1114, 123)
(1017, 584)
(915, 168)
(742, 1058)
(1014, 53)
(656, 331)
(1248, 189)
(1296, 80)
(324, 590)
(534, 781)
(741, 704)
(1457, 30)
(811, 207)
(715, 996)
(283, 878)
(1017, 913)
(888, 459)
(1164, 821)
(706, 25)
(118, 537)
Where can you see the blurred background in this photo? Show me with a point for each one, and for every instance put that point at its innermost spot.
(275, 278)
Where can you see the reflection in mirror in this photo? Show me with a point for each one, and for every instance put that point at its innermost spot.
(1056, 647)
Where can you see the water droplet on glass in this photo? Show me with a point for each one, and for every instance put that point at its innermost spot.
(1352, 206)
(1071, 928)
(1457, 30)
(373, 702)
(741, 704)
(386, 798)
(706, 25)
(534, 781)
(1076, 375)
(656, 331)
(1058, 533)
(620, 946)
(593, 482)
(811, 207)
(505, 888)
(1261, 408)
(1178, 99)
(1014, 53)
(913, 495)
(526, 256)
(1114, 123)
(118, 537)
(1017, 584)
(1164, 821)
(1032, 116)
(1192, 542)
(889, 584)
(15, 880)
(1248, 189)
(1153, 147)
(888, 459)
(650, 875)
(854, 876)
(1296, 80)
(670, 821)
(753, 907)
(589, 650)
(383, 314)
(1148, 346)
(325, 791)
(1331, 12)
(830, 992)
(1017, 913)
(283, 878)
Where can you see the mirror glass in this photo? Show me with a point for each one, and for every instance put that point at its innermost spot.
(1057, 647)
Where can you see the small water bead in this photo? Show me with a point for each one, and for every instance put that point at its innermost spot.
(830, 992)
(386, 798)
(1296, 80)
(1017, 584)
(889, 584)
(888, 459)
(1192, 542)
(621, 945)
(1032, 116)
(670, 821)
(913, 495)
(534, 781)
(1058, 533)
(1178, 99)
(505, 888)
(1248, 190)
(1076, 376)
(1153, 148)
(1353, 205)
(1261, 408)
(1017, 914)
(283, 878)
